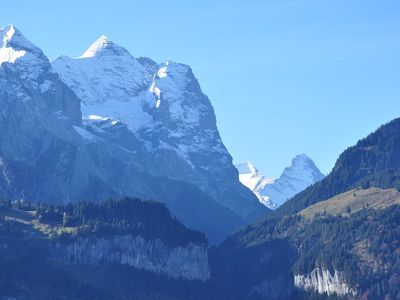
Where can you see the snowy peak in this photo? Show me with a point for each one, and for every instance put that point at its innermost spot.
(302, 159)
(14, 46)
(272, 193)
(160, 100)
(246, 168)
(108, 80)
(12, 37)
(303, 168)
(22, 57)
(250, 177)
(104, 46)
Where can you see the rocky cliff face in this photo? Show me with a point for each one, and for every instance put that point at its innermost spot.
(37, 115)
(188, 262)
(165, 112)
(322, 281)
(147, 131)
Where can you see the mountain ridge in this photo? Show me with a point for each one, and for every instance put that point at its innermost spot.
(274, 192)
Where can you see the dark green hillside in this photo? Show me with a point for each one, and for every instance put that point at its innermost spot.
(151, 220)
(364, 247)
(359, 238)
(373, 162)
(27, 271)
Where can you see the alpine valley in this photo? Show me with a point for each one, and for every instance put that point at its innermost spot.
(115, 184)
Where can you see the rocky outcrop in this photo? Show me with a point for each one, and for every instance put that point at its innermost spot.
(322, 281)
(188, 262)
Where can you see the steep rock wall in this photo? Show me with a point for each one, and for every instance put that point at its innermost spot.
(189, 262)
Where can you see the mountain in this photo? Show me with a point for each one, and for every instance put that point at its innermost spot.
(337, 239)
(107, 124)
(163, 106)
(273, 193)
(250, 177)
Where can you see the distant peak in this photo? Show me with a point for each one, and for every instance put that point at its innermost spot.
(104, 46)
(103, 38)
(301, 157)
(303, 162)
(246, 168)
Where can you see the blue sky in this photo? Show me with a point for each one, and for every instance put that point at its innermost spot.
(285, 77)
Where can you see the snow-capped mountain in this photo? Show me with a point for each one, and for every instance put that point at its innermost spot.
(250, 177)
(272, 193)
(109, 124)
(163, 106)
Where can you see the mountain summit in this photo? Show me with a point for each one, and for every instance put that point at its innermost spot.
(11, 37)
(272, 193)
(104, 46)
(20, 54)
(107, 124)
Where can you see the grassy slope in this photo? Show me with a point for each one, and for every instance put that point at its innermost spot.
(372, 162)
(353, 201)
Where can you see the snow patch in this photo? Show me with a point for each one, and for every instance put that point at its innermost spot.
(97, 118)
(163, 71)
(10, 55)
(7, 53)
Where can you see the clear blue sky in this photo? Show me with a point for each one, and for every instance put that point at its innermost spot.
(285, 76)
